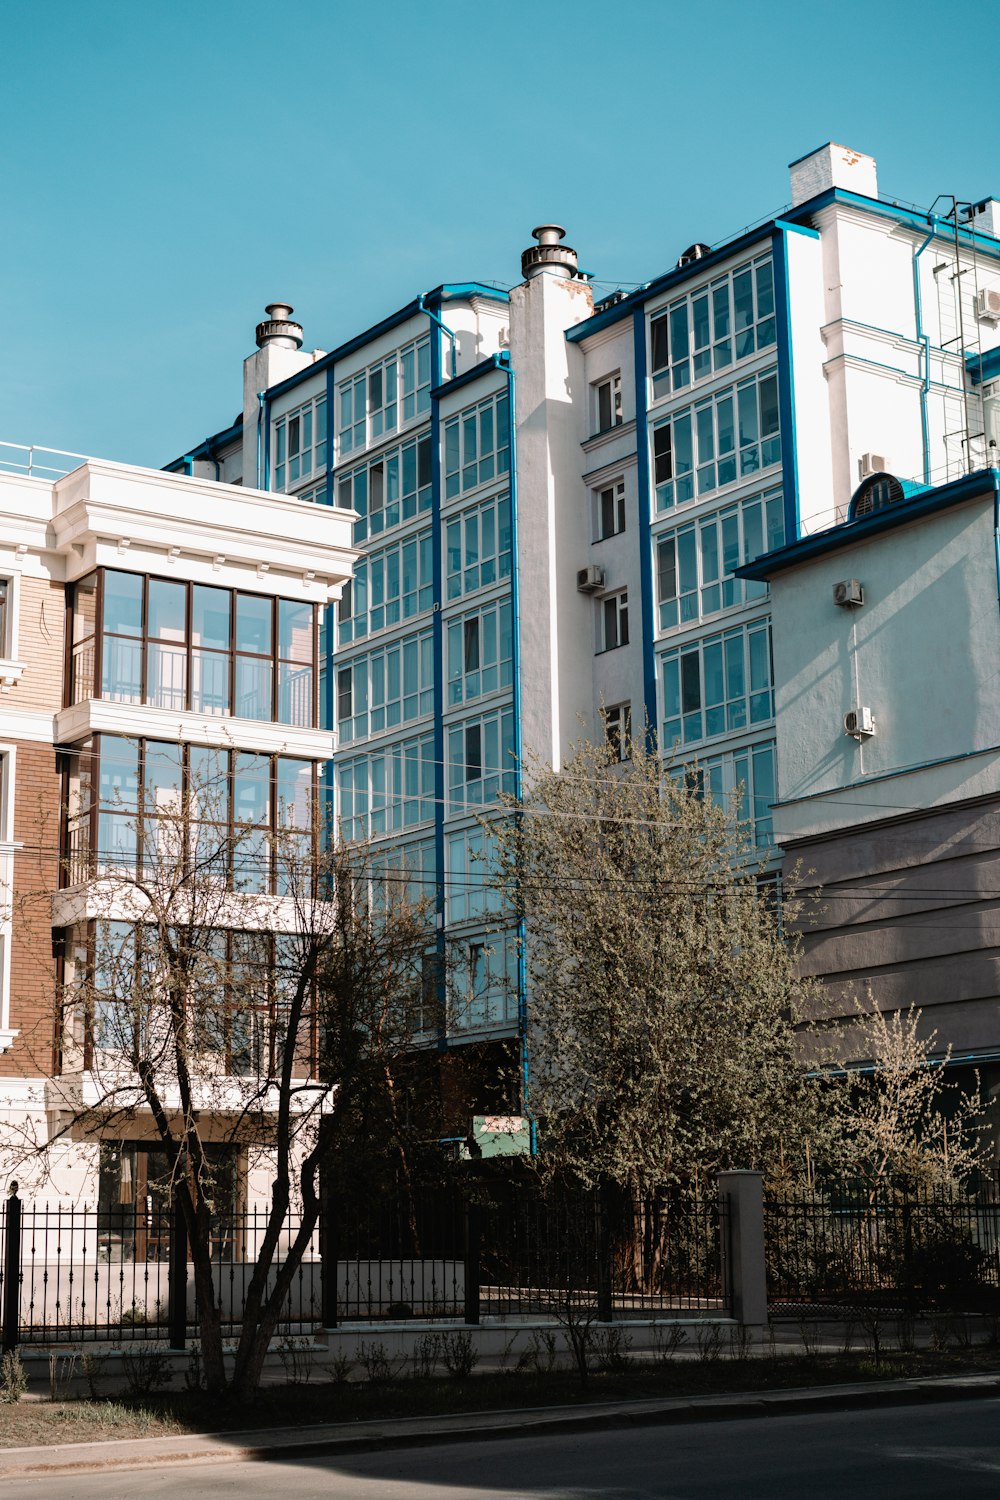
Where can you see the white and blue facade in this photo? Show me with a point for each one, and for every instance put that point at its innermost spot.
(552, 499)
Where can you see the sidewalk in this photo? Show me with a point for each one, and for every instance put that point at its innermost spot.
(278, 1443)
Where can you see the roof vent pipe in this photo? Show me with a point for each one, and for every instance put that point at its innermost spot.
(549, 257)
(279, 329)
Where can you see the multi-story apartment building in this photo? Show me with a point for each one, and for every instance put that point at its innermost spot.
(554, 499)
(153, 627)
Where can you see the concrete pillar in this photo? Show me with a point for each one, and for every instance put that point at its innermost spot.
(741, 1197)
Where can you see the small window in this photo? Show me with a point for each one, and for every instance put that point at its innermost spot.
(610, 511)
(615, 615)
(609, 403)
(473, 752)
(618, 730)
(345, 696)
(4, 617)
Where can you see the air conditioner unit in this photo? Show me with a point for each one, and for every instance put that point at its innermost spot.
(859, 723)
(848, 593)
(988, 305)
(590, 580)
(871, 463)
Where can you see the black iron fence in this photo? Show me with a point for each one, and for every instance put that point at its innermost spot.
(845, 1250)
(73, 1274)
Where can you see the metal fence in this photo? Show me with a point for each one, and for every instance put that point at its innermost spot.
(73, 1274)
(123, 1274)
(846, 1250)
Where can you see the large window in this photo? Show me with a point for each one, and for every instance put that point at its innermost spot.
(695, 563)
(247, 821)
(610, 510)
(483, 989)
(383, 397)
(300, 444)
(480, 760)
(470, 892)
(386, 790)
(717, 685)
(721, 439)
(478, 546)
(392, 488)
(712, 328)
(480, 652)
(390, 686)
(750, 771)
(388, 586)
(237, 986)
(477, 446)
(193, 646)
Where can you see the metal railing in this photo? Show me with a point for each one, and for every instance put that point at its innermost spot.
(29, 459)
(903, 1250)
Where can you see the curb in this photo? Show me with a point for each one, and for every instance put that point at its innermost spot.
(40, 1461)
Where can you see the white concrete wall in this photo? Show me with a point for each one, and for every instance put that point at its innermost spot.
(922, 652)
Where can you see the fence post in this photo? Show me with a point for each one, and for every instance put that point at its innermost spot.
(177, 1275)
(741, 1197)
(328, 1263)
(605, 1310)
(473, 1234)
(12, 1271)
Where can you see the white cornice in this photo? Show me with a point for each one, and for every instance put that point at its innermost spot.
(96, 715)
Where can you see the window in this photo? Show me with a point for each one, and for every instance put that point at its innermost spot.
(751, 770)
(239, 981)
(477, 446)
(390, 686)
(386, 790)
(245, 815)
(480, 652)
(618, 730)
(480, 760)
(385, 396)
(478, 544)
(189, 646)
(712, 328)
(484, 988)
(695, 564)
(389, 586)
(614, 613)
(5, 622)
(300, 444)
(609, 403)
(469, 893)
(392, 488)
(403, 873)
(611, 510)
(718, 685)
(725, 437)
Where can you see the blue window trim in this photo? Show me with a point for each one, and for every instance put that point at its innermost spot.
(646, 601)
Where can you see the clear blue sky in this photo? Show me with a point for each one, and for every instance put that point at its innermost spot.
(171, 167)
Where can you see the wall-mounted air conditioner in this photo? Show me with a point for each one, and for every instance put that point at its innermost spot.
(988, 305)
(590, 580)
(848, 593)
(859, 723)
(871, 463)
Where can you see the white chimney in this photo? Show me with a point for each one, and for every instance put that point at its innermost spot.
(833, 167)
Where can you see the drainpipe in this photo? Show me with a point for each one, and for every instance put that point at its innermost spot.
(444, 329)
(995, 476)
(260, 438)
(924, 338)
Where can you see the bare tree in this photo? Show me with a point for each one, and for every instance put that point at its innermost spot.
(239, 994)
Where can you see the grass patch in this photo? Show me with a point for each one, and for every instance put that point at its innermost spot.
(39, 1422)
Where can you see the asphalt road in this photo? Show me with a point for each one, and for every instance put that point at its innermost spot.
(940, 1451)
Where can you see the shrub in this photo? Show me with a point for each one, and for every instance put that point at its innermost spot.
(13, 1378)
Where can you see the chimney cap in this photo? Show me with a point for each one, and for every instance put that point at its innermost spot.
(548, 257)
(279, 328)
